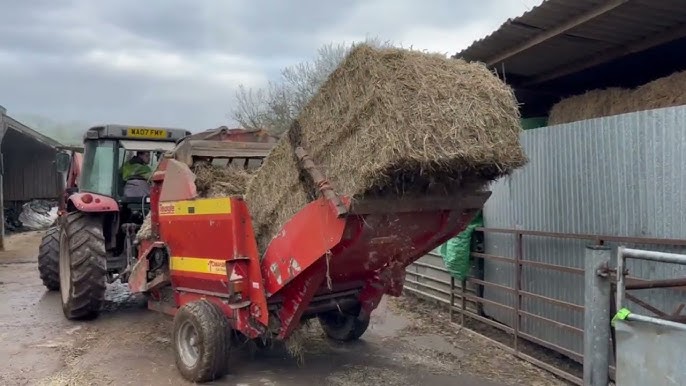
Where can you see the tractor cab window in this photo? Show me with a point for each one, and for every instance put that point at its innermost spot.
(98, 171)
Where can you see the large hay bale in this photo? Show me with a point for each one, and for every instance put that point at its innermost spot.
(392, 122)
(592, 104)
(667, 91)
(210, 181)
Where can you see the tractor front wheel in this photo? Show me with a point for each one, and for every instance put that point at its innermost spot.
(201, 341)
(49, 259)
(343, 327)
(82, 266)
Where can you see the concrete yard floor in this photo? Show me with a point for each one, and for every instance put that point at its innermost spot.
(129, 345)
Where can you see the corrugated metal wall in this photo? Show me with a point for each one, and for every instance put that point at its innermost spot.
(622, 175)
(29, 168)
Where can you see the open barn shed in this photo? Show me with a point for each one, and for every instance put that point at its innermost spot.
(611, 176)
(563, 48)
(27, 167)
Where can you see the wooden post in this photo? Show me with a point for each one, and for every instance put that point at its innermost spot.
(3, 129)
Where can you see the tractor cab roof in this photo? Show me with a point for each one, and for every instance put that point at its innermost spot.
(136, 133)
(136, 145)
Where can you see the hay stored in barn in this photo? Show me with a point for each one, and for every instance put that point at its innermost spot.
(664, 92)
(392, 122)
(592, 104)
(668, 91)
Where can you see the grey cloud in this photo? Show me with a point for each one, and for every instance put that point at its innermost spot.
(46, 41)
(261, 28)
(78, 92)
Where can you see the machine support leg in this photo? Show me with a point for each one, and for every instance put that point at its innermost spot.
(596, 315)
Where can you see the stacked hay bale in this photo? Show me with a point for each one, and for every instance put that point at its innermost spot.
(210, 181)
(668, 91)
(592, 104)
(392, 122)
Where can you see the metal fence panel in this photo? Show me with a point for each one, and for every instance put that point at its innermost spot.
(648, 354)
(623, 175)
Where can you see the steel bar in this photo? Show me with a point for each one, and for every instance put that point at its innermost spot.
(582, 236)
(596, 316)
(463, 301)
(658, 321)
(663, 257)
(518, 286)
(320, 181)
(645, 305)
(633, 284)
(452, 297)
(621, 285)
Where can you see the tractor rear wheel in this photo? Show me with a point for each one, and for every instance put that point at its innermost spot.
(343, 327)
(49, 259)
(83, 266)
(201, 341)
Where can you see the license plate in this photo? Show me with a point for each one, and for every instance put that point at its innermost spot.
(146, 133)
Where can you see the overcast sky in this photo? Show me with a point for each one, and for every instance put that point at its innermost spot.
(178, 62)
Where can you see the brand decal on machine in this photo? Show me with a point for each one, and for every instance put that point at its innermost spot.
(167, 209)
(217, 266)
(204, 206)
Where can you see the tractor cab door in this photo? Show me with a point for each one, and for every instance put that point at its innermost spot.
(129, 148)
(98, 174)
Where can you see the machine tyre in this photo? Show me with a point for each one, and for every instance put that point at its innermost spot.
(83, 266)
(201, 341)
(49, 259)
(343, 327)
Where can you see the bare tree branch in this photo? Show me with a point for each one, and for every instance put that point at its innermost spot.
(276, 106)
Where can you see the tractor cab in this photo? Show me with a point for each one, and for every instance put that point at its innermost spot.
(112, 180)
(106, 151)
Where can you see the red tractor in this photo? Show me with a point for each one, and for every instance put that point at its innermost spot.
(92, 241)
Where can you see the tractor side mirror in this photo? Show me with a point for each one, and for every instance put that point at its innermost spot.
(62, 161)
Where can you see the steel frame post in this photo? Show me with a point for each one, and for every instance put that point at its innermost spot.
(597, 296)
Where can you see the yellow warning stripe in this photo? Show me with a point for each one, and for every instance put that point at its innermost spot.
(195, 207)
(198, 265)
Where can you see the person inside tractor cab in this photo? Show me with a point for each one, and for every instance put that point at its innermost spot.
(136, 172)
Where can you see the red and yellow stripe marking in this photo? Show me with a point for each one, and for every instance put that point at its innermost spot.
(198, 265)
(201, 206)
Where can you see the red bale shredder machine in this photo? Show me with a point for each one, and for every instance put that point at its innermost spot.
(333, 260)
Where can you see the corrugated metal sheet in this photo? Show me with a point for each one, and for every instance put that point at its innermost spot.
(13, 124)
(628, 23)
(29, 168)
(622, 175)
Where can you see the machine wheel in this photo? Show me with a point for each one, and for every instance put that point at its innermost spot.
(343, 327)
(83, 266)
(49, 259)
(201, 341)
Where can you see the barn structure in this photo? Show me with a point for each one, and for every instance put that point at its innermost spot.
(27, 167)
(612, 175)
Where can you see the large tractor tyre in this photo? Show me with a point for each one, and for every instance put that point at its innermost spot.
(201, 341)
(49, 259)
(343, 327)
(83, 266)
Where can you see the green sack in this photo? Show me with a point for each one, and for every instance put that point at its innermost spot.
(456, 251)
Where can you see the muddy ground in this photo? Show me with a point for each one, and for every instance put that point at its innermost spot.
(130, 345)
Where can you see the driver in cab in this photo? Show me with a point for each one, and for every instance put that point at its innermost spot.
(136, 172)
